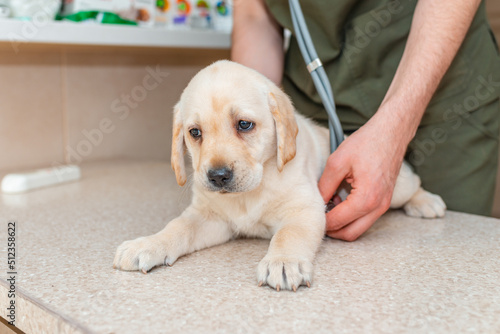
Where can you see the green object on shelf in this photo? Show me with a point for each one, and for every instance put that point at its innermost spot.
(99, 17)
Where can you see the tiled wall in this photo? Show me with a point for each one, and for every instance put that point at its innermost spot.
(78, 104)
(31, 113)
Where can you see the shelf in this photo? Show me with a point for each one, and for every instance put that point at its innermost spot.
(69, 33)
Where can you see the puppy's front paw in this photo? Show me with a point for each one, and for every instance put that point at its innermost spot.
(282, 272)
(141, 254)
(425, 205)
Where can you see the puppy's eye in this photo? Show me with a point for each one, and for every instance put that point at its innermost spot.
(245, 125)
(195, 133)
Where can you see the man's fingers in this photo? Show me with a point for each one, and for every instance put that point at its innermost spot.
(355, 229)
(360, 202)
(332, 177)
(343, 214)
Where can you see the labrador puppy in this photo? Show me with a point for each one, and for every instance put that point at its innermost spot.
(256, 166)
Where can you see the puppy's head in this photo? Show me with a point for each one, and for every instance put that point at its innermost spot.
(233, 121)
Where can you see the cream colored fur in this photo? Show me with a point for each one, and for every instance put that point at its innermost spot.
(273, 193)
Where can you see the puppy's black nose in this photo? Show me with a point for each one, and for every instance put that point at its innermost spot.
(220, 177)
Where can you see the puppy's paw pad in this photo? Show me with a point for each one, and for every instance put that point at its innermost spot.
(140, 254)
(425, 205)
(284, 273)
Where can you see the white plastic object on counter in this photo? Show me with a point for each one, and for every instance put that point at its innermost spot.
(22, 182)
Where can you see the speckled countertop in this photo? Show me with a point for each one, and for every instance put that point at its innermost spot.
(404, 275)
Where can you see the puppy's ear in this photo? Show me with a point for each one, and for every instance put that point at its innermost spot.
(177, 157)
(286, 125)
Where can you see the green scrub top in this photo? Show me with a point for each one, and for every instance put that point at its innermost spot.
(360, 43)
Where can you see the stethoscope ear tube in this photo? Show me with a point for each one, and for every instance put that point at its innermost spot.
(317, 72)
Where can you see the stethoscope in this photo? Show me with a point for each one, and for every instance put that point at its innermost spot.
(318, 74)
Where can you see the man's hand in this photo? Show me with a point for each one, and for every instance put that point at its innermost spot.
(371, 157)
(369, 160)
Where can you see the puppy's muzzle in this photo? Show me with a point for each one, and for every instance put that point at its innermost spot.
(220, 177)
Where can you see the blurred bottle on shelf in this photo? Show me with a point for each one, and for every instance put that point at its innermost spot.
(40, 10)
(223, 15)
(145, 12)
(163, 13)
(142, 12)
(4, 9)
(201, 18)
(181, 13)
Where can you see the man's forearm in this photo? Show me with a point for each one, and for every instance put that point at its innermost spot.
(257, 39)
(437, 31)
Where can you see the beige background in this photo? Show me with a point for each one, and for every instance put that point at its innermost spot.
(51, 95)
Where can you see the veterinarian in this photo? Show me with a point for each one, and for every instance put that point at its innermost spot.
(415, 80)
